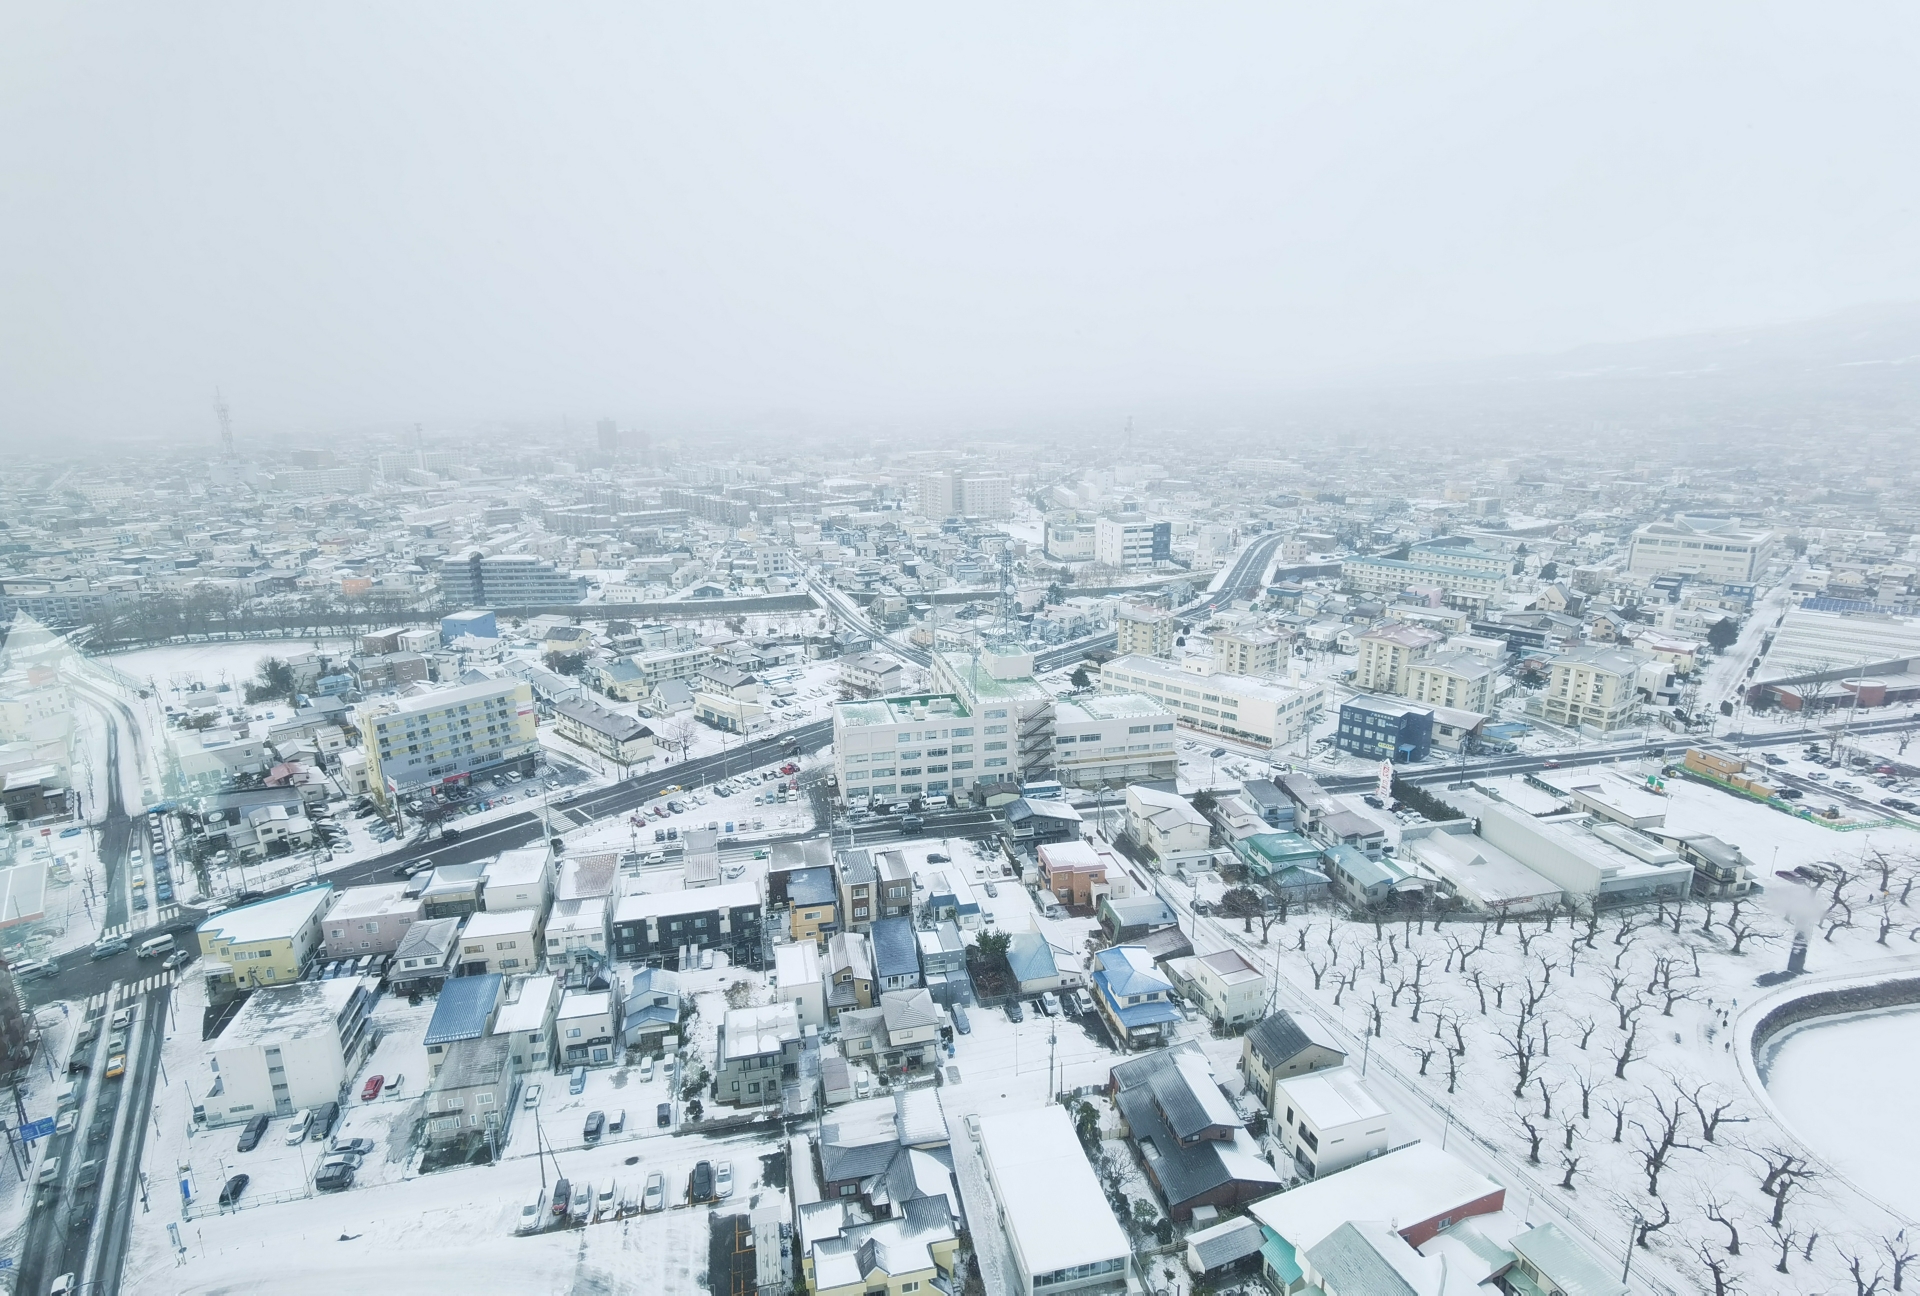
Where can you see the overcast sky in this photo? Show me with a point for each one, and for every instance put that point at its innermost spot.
(906, 215)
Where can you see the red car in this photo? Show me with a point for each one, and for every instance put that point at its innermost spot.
(371, 1090)
(789, 768)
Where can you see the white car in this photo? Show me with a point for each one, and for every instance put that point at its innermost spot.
(656, 1195)
(723, 1180)
(68, 1119)
(646, 1068)
(532, 1098)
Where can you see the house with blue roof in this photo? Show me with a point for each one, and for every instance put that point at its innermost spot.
(464, 1011)
(653, 1006)
(896, 954)
(1132, 997)
(1034, 963)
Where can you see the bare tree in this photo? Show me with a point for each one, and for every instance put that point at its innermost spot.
(1863, 1285)
(1625, 1056)
(1584, 1081)
(1784, 1239)
(1570, 1165)
(1786, 1170)
(1318, 969)
(1520, 1050)
(1586, 1030)
(1617, 1106)
(1712, 1119)
(1743, 931)
(1724, 1281)
(1716, 1211)
(1532, 1131)
(1644, 1227)
(1660, 1139)
(1899, 1255)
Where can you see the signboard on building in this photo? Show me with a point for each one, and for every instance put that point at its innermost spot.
(1385, 787)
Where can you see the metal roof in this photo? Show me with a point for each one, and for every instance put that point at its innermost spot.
(462, 1010)
(895, 951)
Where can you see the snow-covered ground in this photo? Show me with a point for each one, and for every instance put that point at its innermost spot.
(397, 1230)
(1832, 1078)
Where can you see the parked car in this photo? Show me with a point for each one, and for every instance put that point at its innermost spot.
(1014, 1011)
(360, 1147)
(1050, 1004)
(582, 1204)
(663, 1115)
(700, 1183)
(577, 1082)
(371, 1089)
(656, 1194)
(723, 1180)
(230, 1194)
(325, 1117)
(298, 1126)
(255, 1130)
(335, 1177)
(646, 1068)
(562, 1196)
(596, 1126)
(960, 1021)
(605, 1202)
(532, 1097)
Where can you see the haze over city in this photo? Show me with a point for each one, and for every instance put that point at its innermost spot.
(908, 221)
(856, 650)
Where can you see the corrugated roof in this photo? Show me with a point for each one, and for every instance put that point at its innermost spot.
(895, 951)
(463, 1007)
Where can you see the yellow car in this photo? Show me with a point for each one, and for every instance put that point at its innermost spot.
(116, 1066)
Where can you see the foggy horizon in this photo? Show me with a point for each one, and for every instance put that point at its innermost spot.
(901, 223)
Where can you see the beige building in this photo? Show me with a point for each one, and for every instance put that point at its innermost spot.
(1593, 686)
(1148, 633)
(1457, 679)
(1246, 652)
(1387, 654)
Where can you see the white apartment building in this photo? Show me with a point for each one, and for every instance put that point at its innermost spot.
(288, 1047)
(955, 493)
(925, 745)
(998, 685)
(1718, 549)
(1466, 580)
(1147, 633)
(1595, 687)
(525, 1017)
(1388, 651)
(1456, 679)
(1261, 711)
(1327, 1121)
(1131, 544)
(447, 735)
(1113, 739)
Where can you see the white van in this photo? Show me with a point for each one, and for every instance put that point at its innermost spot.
(158, 945)
(297, 1130)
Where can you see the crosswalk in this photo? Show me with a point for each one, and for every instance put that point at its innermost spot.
(160, 917)
(120, 991)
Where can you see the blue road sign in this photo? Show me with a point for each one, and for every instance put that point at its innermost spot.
(36, 1130)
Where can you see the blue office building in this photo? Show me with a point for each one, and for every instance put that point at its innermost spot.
(1385, 729)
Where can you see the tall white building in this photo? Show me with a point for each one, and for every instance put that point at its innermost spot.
(1131, 544)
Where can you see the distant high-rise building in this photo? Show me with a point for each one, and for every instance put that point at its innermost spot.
(609, 436)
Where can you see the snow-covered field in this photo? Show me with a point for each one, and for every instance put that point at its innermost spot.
(1836, 1080)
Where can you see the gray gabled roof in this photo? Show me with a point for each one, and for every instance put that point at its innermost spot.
(895, 950)
(1349, 1262)
(1279, 1037)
